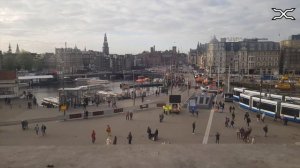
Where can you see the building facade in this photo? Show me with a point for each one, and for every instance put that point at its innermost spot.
(290, 55)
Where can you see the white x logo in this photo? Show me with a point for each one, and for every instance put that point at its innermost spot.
(283, 14)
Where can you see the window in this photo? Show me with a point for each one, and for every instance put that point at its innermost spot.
(244, 100)
(290, 111)
(265, 106)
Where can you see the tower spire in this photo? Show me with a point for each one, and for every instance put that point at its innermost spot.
(17, 49)
(105, 48)
(9, 48)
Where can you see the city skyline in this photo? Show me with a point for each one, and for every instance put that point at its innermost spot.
(134, 26)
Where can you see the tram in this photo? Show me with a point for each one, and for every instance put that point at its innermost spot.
(270, 104)
(237, 92)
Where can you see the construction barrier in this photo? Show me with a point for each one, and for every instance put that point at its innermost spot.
(79, 115)
(119, 110)
(96, 113)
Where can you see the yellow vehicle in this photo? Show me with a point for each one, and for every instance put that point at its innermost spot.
(172, 108)
(285, 83)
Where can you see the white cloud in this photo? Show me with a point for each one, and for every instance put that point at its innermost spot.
(135, 25)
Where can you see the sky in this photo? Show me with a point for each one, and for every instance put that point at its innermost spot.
(133, 26)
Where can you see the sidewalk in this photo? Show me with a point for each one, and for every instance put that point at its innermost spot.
(19, 111)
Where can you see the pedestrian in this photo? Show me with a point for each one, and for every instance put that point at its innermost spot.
(108, 102)
(129, 137)
(263, 117)
(131, 115)
(233, 115)
(93, 136)
(115, 140)
(43, 129)
(253, 140)
(127, 115)
(86, 114)
(285, 120)
(232, 123)
(230, 108)
(161, 117)
(217, 137)
(149, 132)
(248, 121)
(226, 121)
(246, 115)
(265, 128)
(108, 141)
(155, 135)
(257, 117)
(108, 130)
(194, 126)
(37, 128)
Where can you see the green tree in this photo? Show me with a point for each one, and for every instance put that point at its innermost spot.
(9, 62)
(25, 60)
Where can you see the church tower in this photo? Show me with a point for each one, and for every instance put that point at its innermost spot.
(9, 48)
(17, 49)
(105, 48)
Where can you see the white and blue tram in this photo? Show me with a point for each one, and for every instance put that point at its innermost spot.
(269, 107)
(285, 106)
(290, 111)
(237, 92)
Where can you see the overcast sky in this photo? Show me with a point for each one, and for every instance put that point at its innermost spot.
(133, 26)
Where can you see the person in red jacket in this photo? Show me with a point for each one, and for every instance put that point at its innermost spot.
(93, 136)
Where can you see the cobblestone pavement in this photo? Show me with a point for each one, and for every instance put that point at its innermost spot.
(68, 143)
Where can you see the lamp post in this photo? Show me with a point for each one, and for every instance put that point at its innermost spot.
(260, 90)
(228, 80)
(133, 94)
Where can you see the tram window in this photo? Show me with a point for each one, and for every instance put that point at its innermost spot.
(244, 100)
(255, 104)
(268, 107)
(237, 93)
(265, 106)
(290, 111)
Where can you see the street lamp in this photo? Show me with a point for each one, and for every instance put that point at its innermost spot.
(133, 94)
(260, 90)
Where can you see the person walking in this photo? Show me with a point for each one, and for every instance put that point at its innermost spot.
(246, 116)
(127, 116)
(248, 121)
(161, 117)
(217, 138)
(194, 127)
(149, 132)
(232, 123)
(129, 137)
(108, 130)
(265, 128)
(131, 115)
(115, 140)
(233, 115)
(37, 128)
(263, 117)
(93, 136)
(155, 135)
(43, 129)
(230, 108)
